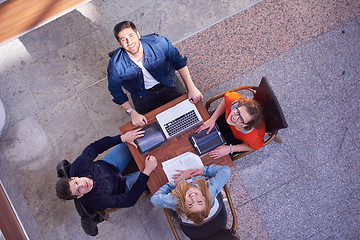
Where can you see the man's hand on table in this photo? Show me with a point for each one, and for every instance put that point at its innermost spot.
(138, 119)
(194, 95)
(131, 135)
(150, 164)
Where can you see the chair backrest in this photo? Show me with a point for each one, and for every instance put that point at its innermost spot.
(63, 169)
(110, 54)
(274, 117)
(213, 227)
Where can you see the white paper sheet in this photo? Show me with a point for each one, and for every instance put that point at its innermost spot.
(184, 161)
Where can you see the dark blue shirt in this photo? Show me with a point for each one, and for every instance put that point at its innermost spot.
(161, 59)
(109, 188)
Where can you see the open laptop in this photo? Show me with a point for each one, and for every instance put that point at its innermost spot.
(179, 118)
(170, 123)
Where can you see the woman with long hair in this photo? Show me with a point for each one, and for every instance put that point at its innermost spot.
(192, 193)
(240, 121)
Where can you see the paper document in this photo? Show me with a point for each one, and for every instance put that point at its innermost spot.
(184, 161)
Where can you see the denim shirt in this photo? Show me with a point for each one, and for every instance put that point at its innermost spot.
(161, 59)
(218, 175)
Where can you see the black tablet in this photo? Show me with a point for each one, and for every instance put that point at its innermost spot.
(153, 137)
(204, 143)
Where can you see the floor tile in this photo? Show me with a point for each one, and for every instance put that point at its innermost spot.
(48, 80)
(63, 118)
(267, 169)
(88, 63)
(53, 81)
(283, 214)
(24, 141)
(106, 115)
(17, 96)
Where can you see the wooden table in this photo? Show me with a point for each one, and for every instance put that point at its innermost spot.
(172, 148)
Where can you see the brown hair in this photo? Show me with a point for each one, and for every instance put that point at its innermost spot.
(63, 189)
(180, 192)
(254, 108)
(121, 26)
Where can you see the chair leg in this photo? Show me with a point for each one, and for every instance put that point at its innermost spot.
(237, 236)
(106, 215)
(278, 139)
(171, 223)
(145, 193)
(240, 155)
(110, 210)
(232, 209)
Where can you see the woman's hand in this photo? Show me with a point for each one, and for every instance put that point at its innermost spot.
(207, 124)
(220, 151)
(188, 173)
(131, 135)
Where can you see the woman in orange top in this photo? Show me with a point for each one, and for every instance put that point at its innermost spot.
(240, 121)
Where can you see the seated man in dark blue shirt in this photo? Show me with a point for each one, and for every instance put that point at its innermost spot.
(145, 67)
(99, 184)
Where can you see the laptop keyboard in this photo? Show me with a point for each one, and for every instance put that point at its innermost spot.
(181, 123)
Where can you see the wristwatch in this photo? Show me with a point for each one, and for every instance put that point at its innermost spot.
(129, 110)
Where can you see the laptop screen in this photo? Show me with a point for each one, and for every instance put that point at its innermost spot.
(179, 118)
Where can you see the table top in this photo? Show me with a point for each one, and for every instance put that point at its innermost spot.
(172, 148)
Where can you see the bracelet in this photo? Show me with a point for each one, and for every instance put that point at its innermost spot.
(174, 183)
(231, 149)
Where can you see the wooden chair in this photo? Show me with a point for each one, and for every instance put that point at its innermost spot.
(215, 228)
(274, 117)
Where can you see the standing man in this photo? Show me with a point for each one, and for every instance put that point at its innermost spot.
(145, 66)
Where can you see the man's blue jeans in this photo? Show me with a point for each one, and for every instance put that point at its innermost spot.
(120, 157)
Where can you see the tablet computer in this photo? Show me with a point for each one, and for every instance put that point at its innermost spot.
(204, 143)
(153, 137)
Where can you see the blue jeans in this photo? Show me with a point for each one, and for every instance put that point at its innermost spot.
(120, 157)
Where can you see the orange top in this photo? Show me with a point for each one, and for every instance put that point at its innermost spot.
(253, 138)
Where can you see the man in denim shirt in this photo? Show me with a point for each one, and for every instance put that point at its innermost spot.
(146, 68)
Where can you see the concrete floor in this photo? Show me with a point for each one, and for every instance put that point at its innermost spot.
(53, 84)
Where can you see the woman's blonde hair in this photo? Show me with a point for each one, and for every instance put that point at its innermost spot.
(180, 192)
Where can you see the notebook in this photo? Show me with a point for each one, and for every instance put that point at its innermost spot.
(179, 118)
(204, 143)
(170, 123)
(184, 161)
